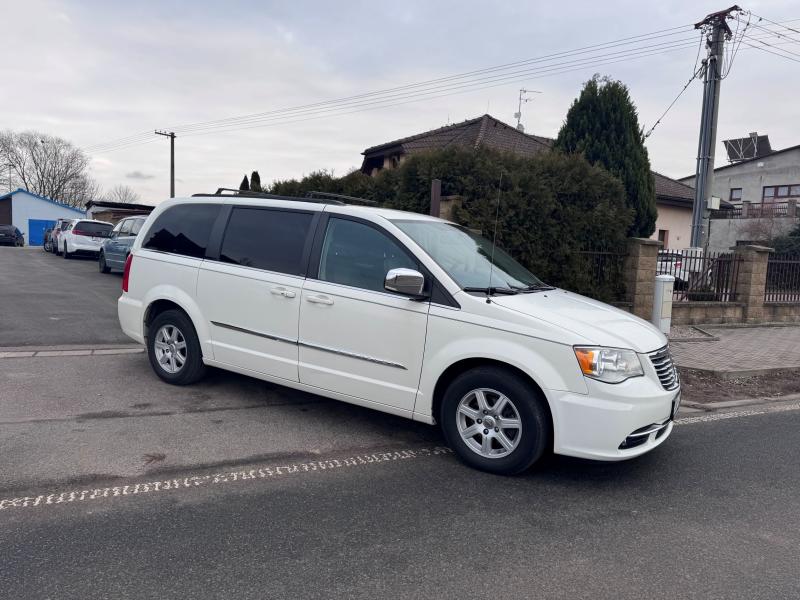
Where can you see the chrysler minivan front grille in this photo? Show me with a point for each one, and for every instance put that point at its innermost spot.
(665, 369)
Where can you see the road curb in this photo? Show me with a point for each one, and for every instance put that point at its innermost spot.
(714, 406)
(727, 375)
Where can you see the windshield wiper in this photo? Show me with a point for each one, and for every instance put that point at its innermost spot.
(537, 287)
(492, 290)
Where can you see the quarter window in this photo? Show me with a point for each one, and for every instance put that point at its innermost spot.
(183, 229)
(358, 255)
(272, 240)
(137, 226)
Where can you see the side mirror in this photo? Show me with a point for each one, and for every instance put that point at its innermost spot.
(405, 281)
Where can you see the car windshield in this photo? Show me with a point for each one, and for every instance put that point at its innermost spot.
(467, 256)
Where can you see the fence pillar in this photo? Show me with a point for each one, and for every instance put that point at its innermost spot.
(752, 280)
(791, 207)
(745, 208)
(640, 275)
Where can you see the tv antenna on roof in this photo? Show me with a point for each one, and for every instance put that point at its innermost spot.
(522, 98)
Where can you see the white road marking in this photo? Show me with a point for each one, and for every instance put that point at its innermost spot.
(248, 474)
(60, 353)
(737, 413)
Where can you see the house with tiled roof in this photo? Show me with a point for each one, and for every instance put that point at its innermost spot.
(483, 131)
(673, 198)
(674, 201)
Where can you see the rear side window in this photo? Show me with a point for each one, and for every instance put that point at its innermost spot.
(272, 240)
(94, 229)
(183, 229)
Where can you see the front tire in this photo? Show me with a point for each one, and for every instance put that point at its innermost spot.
(174, 349)
(495, 420)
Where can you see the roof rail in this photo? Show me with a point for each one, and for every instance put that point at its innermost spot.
(352, 199)
(234, 193)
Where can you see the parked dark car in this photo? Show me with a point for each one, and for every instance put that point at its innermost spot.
(11, 236)
(47, 241)
(117, 247)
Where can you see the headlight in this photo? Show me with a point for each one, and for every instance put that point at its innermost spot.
(612, 365)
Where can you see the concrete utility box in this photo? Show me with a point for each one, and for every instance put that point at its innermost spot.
(662, 303)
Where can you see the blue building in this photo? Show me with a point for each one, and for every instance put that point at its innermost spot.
(32, 214)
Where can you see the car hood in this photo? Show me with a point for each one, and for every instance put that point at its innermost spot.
(598, 323)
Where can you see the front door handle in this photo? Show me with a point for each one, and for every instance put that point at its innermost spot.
(321, 299)
(282, 291)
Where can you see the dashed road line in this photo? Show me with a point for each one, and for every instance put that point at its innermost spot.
(61, 353)
(246, 475)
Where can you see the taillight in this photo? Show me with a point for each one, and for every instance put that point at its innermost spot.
(78, 232)
(127, 272)
(678, 264)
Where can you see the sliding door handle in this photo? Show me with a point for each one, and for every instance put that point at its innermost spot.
(320, 299)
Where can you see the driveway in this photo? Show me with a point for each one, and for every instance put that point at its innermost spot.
(49, 301)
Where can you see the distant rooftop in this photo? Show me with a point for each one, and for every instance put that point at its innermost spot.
(472, 133)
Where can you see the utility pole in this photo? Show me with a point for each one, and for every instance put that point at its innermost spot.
(171, 136)
(522, 98)
(712, 76)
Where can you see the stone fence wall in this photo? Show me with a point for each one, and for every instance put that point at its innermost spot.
(748, 305)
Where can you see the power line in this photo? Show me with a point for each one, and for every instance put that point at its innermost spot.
(475, 80)
(505, 66)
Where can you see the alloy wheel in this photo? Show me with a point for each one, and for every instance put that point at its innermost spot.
(489, 423)
(170, 348)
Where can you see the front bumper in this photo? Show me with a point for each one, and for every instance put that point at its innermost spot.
(613, 422)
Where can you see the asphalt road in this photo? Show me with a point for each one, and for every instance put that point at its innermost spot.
(47, 300)
(712, 514)
(115, 485)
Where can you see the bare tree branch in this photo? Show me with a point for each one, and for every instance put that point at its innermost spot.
(122, 193)
(48, 166)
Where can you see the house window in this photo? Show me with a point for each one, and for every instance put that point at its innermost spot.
(663, 237)
(736, 194)
(781, 191)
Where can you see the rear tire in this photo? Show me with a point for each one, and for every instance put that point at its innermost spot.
(66, 252)
(174, 349)
(101, 262)
(505, 415)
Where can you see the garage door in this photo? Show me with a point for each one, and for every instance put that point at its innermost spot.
(36, 229)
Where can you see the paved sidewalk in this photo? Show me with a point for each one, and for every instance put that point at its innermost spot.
(742, 350)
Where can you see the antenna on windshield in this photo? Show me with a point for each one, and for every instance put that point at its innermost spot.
(494, 241)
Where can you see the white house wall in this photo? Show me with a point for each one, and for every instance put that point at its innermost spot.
(752, 176)
(25, 207)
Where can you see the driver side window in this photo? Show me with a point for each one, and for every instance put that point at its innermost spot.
(359, 255)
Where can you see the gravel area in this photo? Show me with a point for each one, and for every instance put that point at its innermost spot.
(701, 387)
(686, 332)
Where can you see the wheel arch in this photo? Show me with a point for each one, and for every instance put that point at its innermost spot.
(467, 364)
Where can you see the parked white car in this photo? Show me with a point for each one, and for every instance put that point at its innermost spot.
(399, 312)
(84, 236)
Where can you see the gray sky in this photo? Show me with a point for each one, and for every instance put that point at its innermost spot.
(92, 72)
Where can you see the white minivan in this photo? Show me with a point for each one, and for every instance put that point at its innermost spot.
(400, 312)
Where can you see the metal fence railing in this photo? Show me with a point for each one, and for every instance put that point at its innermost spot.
(701, 275)
(783, 278)
(754, 211)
